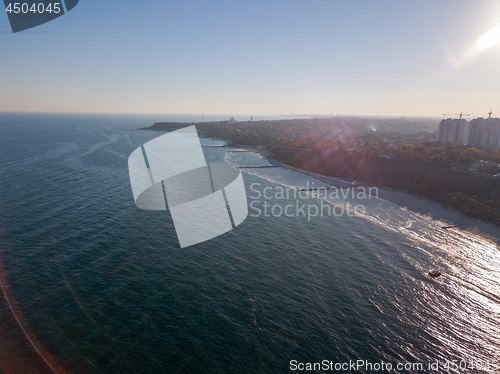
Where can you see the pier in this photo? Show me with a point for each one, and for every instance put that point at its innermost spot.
(258, 167)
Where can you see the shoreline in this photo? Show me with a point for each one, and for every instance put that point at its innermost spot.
(431, 209)
(446, 215)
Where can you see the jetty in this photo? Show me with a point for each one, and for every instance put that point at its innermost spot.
(258, 167)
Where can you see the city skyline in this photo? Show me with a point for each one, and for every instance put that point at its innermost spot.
(259, 58)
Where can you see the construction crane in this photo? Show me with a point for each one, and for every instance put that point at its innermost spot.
(456, 114)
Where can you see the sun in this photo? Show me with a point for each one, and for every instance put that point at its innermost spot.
(490, 38)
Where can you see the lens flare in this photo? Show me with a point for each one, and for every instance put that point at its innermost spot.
(489, 39)
(16, 357)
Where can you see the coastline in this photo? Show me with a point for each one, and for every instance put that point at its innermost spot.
(446, 215)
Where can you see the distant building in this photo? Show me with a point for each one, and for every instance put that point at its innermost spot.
(484, 133)
(480, 132)
(482, 165)
(453, 131)
(232, 120)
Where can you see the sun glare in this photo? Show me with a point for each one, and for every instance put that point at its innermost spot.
(489, 39)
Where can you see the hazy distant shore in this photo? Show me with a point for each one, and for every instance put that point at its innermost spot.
(448, 216)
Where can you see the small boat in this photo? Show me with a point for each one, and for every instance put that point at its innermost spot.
(434, 273)
(450, 227)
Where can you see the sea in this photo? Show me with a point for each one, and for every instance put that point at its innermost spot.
(90, 283)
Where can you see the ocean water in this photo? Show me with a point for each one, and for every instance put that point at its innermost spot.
(92, 284)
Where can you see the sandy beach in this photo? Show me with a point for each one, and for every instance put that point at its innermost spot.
(448, 216)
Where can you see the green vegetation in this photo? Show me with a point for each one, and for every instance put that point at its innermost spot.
(315, 133)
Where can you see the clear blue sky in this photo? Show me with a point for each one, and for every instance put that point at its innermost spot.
(385, 57)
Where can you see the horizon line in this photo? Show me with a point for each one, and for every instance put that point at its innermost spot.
(315, 115)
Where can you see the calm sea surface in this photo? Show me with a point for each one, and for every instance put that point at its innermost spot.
(100, 286)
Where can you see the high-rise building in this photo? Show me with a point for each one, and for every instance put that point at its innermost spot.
(484, 133)
(480, 132)
(453, 131)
